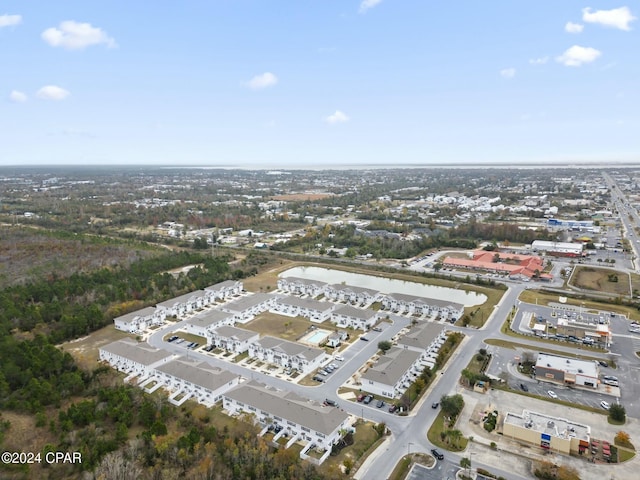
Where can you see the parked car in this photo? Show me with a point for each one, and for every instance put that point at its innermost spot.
(318, 379)
(324, 373)
(605, 405)
(367, 399)
(361, 397)
(334, 366)
(380, 404)
(172, 338)
(340, 358)
(552, 394)
(603, 363)
(437, 454)
(524, 388)
(208, 348)
(392, 408)
(376, 329)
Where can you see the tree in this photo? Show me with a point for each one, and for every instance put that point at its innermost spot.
(617, 413)
(623, 439)
(452, 404)
(465, 463)
(384, 345)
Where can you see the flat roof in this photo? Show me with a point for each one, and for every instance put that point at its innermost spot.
(141, 353)
(554, 426)
(289, 406)
(573, 366)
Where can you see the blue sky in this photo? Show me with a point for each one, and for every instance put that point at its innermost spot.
(318, 82)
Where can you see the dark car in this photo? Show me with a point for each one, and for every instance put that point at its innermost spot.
(364, 339)
(367, 399)
(172, 338)
(380, 404)
(318, 379)
(360, 397)
(603, 363)
(392, 408)
(524, 388)
(331, 403)
(437, 454)
(435, 405)
(208, 348)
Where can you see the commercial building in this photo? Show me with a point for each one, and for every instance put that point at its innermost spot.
(560, 249)
(550, 433)
(567, 371)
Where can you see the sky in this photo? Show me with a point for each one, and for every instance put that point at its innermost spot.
(300, 83)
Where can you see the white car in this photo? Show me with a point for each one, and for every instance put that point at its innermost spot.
(605, 405)
(340, 358)
(552, 394)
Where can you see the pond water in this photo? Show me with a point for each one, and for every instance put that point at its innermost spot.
(387, 285)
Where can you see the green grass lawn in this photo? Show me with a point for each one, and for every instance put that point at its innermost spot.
(365, 441)
(434, 436)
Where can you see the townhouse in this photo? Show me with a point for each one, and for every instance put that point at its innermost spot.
(139, 320)
(287, 354)
(393, 373)
(223, 290)
(412, 305)
(133, 358)
(346, 316)
(244, 309)
(233, 339)
(309, 308)
(205, 322)
(287, 414)
(301, 286)
(187, 379)
(351, 294)
(183, 304)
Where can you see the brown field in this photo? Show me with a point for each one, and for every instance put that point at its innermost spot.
(273, 324)
(85, 350)
(302, 196)
(591, 278)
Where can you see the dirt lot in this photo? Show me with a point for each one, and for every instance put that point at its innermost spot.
(591, 278)
(85, 349)
(288, 328)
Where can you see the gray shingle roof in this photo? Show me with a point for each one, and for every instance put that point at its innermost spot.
(290, 348)
(309, 303)
(245, 303)
(349, 311)
(391, 367)
(219, 286)
(289, 406)
(198, 373)
(141, 353)
(208, 318)
(421, 336)
(181, 299)
(144, 313)
(239, 334)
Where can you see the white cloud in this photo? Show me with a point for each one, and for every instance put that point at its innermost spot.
(616, 18)
(261, 81)
(52, 92)
(573, 27)
(76, 36)
(538, 61)
(576, 55)
(337, 117)
(10, 20)
(17, 96)
(508, 72)
(367, 4)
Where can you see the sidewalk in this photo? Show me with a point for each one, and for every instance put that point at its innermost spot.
(520, 456)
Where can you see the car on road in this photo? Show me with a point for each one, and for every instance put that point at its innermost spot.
(376, 329)
(364, 339)
(552, 394)
(605, 405)
(330, 403)
(524, 388)
(435, 404)
(437, 454)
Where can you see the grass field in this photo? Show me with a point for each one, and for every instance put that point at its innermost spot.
(288, 328)
(85, 350)
(592, 278)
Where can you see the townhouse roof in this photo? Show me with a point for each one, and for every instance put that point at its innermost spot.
(208, 318)
(245, 303)
(391, 366)
(182, 299)
(222, 285)
(291, 349)
(289, 406)
(304, 281)
(141, 353)
(198, 373)
(422, 336)
(235, 333)
(143, 313)
(308, 303)
(361, 313)
(350, 288)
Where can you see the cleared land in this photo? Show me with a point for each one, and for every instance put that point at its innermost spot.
(601, 280)
(288, 328)
(85, 349)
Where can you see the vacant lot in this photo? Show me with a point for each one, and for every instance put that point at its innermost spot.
(288, 328)
(602, 280)
(85, 349)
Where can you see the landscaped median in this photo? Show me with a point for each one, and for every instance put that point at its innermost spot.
(442, 432)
